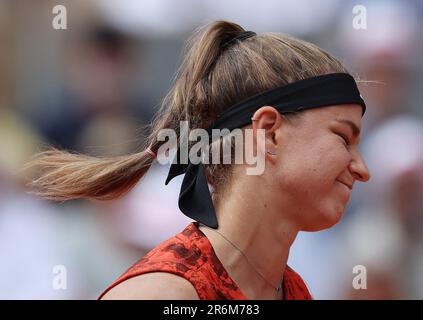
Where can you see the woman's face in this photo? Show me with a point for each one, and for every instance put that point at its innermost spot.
(316, 164)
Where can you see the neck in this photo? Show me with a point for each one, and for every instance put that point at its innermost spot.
(264, 237)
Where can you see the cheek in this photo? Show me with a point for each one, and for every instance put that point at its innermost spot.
(315, 166)
(331, 162)
(329, 198)
(309, 176)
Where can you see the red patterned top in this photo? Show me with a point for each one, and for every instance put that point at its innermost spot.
(190, 255)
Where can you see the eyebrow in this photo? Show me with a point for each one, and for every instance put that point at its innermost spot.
(352, 125)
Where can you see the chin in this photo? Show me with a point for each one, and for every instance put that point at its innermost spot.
(325, 219)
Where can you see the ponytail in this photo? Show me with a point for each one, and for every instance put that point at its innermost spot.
(60, 175)
(65, 176)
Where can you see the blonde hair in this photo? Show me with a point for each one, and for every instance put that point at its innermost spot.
(210, 80)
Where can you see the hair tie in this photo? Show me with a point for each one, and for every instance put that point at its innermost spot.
(151, 153)
(242, 36)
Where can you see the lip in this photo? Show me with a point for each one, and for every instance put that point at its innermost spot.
(345, 184)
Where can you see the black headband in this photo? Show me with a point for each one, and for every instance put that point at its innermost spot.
(327, 90)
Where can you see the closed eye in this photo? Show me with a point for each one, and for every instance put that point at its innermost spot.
(346, 140)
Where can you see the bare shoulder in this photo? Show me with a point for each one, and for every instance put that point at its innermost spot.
(153, 286)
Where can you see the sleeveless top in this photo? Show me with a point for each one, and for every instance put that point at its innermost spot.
(189, 254)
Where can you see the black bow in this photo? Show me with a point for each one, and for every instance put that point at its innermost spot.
(194, 198)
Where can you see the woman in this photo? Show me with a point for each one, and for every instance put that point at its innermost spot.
(310, 110)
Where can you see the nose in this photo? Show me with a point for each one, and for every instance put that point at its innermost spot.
(359, 168)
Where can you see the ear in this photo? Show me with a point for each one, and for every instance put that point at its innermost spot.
(269, 119)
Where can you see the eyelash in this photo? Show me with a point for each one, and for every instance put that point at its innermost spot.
(346, 141)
